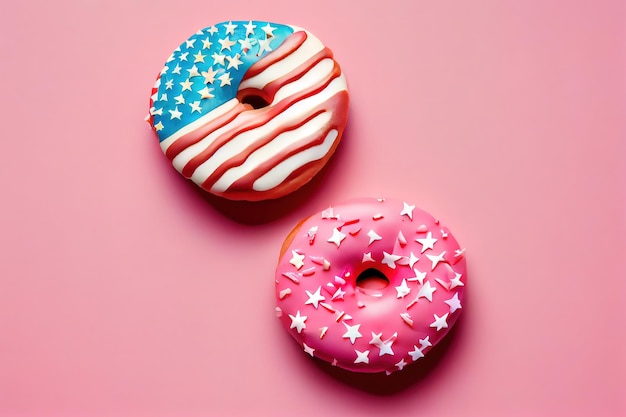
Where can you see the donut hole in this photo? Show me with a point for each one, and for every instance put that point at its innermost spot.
(371, 279)
(255, 101)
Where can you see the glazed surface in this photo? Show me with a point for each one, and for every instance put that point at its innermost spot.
(249, 110)
(359, 326)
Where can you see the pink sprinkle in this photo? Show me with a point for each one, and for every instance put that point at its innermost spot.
(422, 229)
(279, 312)
(339, 280)
(323, 331)
(308, 272)
(330, 287)
(407, 319)
(360, 304)
(328, 307)
(377, 216)
(444, 234)
(294, 276)
(340, 316)
(401, 239)
(284, 293)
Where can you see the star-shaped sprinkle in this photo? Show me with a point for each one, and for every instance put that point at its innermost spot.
(367, 257)
(390, 259)
(456, 281)
(403, 289)
(246, 44)
(195, 107)
(169, 84)
(338, 295)
(206, 44)
(264, 45)
(269, 30)
(362, 357)
(177, 69)
(407, 210)
(218, 58)
(308, 349)
(186, 85)
(454, 302)
(179, 99)
(428, 242)
(426, 291)
(298, 322)
(183, 56)
(352, 332)
(373, 236)
(233, 62)
(230, 28)
(315, 297)
(226, 43)
(206, 92)
(416, 353)
(199, 57)
(225, 79)
(175, 114)
(440, 322)
(412, 260)
(419, 276)
(189, 43)
(297, 259)
(209, 75)
(400, 365)
(384, 346)
(425, 342)
(435, 259)
(212, 30)
(337, 237)
(249, 28)
(158, 126)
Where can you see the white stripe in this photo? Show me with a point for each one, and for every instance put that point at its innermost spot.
(268, 151)
(308, 49)
(213, 114)
(280, 172)
(317, 75)
(293, 114)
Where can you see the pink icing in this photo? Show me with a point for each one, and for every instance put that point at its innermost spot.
(363, 327)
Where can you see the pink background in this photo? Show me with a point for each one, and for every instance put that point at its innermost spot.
(505, 119)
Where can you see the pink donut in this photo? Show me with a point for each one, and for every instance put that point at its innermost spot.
(370, 285)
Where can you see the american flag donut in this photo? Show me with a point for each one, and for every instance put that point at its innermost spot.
(370, 285)
(249, 110)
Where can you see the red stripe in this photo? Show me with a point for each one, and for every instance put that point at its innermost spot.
(269, 91)
(255, 119)
(291, 44)
(203, 131)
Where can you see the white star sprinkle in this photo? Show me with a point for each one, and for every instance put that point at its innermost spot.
(425, 342)
(440, 322)
(246, 44)
(308, 349)
(189, 43)
(428, 242)
(195, 107)
(264, 45)
(338, 295)
(435, 259)
(384, 346)
(230, 28)
(403, 289)
(401, 364)
(456, 281)
(454, 302)
(269, 30)
(314, 298)
(218, 58)
(250, 28)
(186, 85)
(362, 357)
(226, 43)
(175, 114)
(179, 99)
(206, 93)
(352, 332)
(225, 79)
(373, 236)
(367, 257)
(206, 44)
(390, 259)
(407, 210)
(233, 62)
(297, 259)
(412, 260)
(419, 276)
(297, 322)
(416, 353)
(337, 237)
(426, 291)
(209, 75)
(199, 57)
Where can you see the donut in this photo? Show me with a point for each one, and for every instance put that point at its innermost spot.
(370, 285)
(249, 110)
